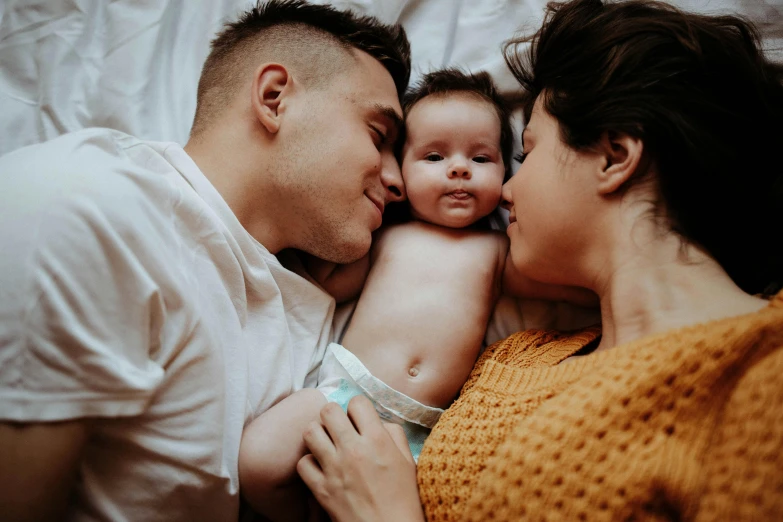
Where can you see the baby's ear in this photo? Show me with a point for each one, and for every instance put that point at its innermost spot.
(622, 155)
(272, 84)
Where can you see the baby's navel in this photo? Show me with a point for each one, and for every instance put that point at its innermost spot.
(413, 371)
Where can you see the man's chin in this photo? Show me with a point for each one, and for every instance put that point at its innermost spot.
(347, 251)
(351, 253)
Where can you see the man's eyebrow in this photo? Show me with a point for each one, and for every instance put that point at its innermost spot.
(388, 112)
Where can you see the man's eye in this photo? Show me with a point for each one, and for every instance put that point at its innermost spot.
(381, 137)
(520, 158)
(433, 157)
(481, 159)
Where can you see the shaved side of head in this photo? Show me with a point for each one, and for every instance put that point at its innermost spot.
(315, 43)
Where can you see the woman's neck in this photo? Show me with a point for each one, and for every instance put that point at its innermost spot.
(666, 286)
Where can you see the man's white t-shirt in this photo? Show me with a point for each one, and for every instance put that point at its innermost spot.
(131, 295)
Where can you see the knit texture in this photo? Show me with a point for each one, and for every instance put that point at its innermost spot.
(685, 425)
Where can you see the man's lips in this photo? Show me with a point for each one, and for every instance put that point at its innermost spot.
(512, 218)
(378, 202)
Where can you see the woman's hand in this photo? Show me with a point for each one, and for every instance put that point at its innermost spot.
(360, 469)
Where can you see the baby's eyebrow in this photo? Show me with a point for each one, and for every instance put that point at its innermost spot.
(489, 145)
(433, 143)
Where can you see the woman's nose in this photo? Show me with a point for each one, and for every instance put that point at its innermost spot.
(505, 197)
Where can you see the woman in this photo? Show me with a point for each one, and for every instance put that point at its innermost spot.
(651, 176)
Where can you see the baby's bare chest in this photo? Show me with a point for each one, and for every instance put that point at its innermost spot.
(452, 264)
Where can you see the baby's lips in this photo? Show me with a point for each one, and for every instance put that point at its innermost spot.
(459, 194)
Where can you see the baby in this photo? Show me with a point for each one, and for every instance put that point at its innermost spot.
(428, 288)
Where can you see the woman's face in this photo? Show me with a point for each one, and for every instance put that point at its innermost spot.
(552, 201)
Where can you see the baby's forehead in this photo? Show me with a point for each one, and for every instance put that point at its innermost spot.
(445, 101)
(453, 117)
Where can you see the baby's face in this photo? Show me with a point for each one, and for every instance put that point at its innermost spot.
(451, 162)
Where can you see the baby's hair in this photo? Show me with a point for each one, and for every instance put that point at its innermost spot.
(453, 81)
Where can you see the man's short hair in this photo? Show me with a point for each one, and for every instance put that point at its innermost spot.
(313, 40)
(455, 81)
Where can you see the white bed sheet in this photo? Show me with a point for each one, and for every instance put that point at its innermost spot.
(133, 65)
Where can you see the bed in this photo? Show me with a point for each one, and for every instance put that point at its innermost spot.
(133, 65)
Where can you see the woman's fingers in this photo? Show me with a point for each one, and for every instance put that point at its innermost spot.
(363, 415)
(338, 426)
(400, 440)
(360, 476)
(310, 472)
(318, 442)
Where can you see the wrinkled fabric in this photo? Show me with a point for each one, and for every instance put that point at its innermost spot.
(134, 65)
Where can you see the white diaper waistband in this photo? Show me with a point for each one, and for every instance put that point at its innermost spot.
(404, 407)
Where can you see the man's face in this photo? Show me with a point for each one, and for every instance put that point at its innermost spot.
(340, 168)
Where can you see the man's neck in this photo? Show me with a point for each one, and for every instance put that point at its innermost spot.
(240, 186)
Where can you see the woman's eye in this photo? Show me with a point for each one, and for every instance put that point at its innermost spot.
(433, 157)
(481, 159)
(520, 158)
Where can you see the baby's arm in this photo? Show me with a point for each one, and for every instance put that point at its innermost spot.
(343, 282)
(271, 447)
(517, 284)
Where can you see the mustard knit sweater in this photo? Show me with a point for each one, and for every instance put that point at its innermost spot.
(685, 425)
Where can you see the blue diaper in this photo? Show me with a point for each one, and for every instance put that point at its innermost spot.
(343, 376)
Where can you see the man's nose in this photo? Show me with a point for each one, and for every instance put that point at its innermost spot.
(391, 178)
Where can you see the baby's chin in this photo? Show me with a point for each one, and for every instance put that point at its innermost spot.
(448, 221)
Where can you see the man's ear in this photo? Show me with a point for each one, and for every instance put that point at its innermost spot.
(622, 156)
(271, 84)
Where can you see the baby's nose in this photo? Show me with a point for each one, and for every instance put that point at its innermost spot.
(460, 171)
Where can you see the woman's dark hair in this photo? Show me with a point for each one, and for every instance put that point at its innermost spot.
(699, 93)
(446, 82)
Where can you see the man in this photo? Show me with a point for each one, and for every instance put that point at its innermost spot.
(144, 317)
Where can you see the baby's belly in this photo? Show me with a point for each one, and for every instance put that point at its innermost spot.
(431, 372)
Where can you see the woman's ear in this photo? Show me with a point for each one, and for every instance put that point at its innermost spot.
(271, 84)
(622, 158)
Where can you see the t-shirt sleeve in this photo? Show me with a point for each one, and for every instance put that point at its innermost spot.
(79, 313)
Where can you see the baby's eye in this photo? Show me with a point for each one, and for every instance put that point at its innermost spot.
(481, 159)
(433, 156)
(520, 158)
